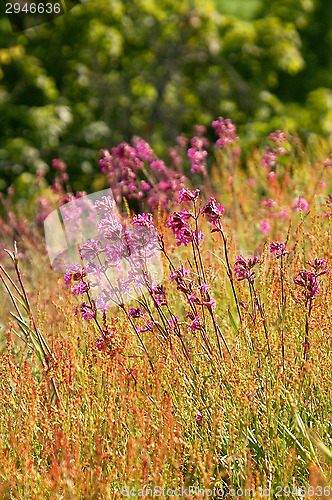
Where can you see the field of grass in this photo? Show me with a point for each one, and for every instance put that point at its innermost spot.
(222, 379)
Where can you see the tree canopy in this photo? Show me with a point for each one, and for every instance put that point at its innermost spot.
(111, 69)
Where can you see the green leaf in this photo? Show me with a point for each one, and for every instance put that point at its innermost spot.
(11, 255)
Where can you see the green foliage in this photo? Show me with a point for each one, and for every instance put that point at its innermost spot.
(111, 69)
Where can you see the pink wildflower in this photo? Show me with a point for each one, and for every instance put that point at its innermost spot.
(301, 203)
(278, 249)
(143, 220)
(213, 211)
(265, 227)
(196, 324)
(188, 196)
(243, 268)
(225, 130)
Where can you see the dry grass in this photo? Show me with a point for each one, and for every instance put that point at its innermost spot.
(240, 421)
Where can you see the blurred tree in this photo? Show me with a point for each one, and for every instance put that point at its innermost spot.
(306, 95)
(111, 69)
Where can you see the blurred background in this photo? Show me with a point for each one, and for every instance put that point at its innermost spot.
(112, 69)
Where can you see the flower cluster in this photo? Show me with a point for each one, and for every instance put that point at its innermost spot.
(213, 211)
(136, 312)
(195, 322)
(76, 272)
(243, 268)
(300, 203)
(87, 311)
(309, 284)
(179, 276)
(319, 266)
(62, 179)
(158, 293)
(279, 249)
(143, 220)
(270, 156)
(179, 223)
(225, 130)
(308, 281)
(185, 195)
(278, 138)
(197, 155)
(176, 154)
(328, 161)
(265, 226)
(269, 203)
(106, 341)
(128, 175)
(119, 259)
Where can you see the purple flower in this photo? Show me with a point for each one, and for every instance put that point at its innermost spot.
(91, 248)
(173, 324)
(188, 196)
(265, 227)
(179, 273)
(243, 268)
(211, 303)
(197, 155)
(199, 419)
(204, 287)
(129, 177)
(225, 130)
(277, 137)
(309, 284)
(145, 186)
(158, 165)
(86, 311)
(213, 211)
(301, 203)
(136, 312)
(143, 220)
(99, 343)
(59, 165)
(269, 158)
(196, 324)
(148, 327)
(106, 206)
(319, 266)
(80, 288)
(158, 293)
(74, 272)
(193, 297)
(328, 161)
(144, 151)
(178, 222)
(182, 141)
(252, 182)
(278, 249)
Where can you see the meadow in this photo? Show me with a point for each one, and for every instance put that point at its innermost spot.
(219, 376)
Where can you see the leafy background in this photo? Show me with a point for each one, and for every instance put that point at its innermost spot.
(111, 69)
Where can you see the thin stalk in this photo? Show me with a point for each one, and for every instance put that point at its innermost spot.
(139, 336)
(230, 274)
(263, 318)
(306, 334)
(47, 354)
(283, 302)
